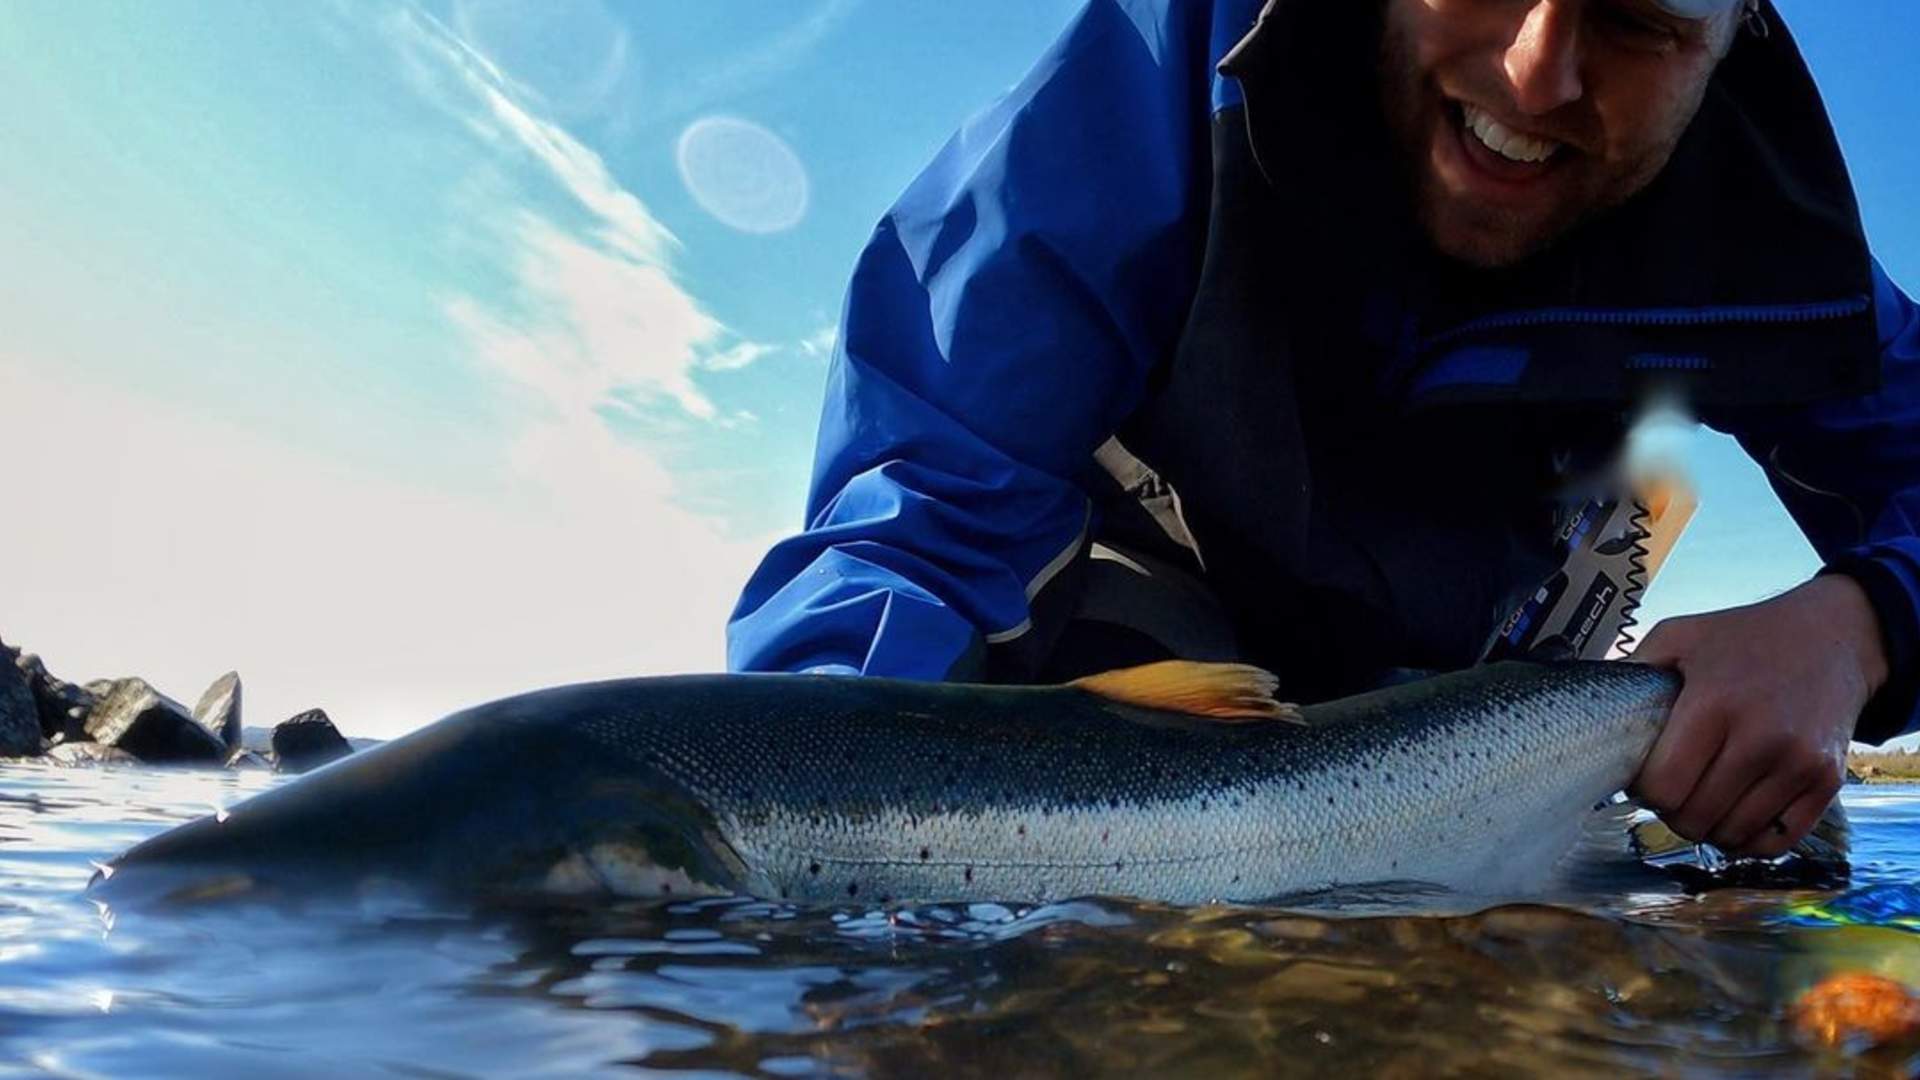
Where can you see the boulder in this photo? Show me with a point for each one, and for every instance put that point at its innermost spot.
(308, 741)
(63, 706)
(135, 717)
(19, 716)
(219, 710)
(87, 754)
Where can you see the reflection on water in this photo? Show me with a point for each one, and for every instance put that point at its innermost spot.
(1650, 985)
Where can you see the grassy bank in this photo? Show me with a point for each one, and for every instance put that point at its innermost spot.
(1885, 766)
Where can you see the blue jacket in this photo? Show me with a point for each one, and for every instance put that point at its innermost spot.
(1040, 285)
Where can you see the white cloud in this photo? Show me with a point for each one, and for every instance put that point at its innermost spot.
(591, 322)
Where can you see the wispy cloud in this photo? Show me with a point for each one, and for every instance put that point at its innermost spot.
(735, 356)
(626, 225)
(819, 344)
(753, 67)
(597, 320)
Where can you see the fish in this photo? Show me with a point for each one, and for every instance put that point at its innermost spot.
(1182, 783)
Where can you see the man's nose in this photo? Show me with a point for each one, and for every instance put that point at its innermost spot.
(1543, 62)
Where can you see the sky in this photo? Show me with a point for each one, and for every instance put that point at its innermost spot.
(402, 354)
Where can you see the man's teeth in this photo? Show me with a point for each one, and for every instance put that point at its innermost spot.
(1505, 141)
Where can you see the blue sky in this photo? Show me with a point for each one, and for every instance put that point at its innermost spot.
(404, 354)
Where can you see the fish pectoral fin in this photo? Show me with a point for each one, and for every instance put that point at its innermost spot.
(1225, 692)
(1831, 841)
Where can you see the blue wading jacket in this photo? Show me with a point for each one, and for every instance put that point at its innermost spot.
(1010, 313)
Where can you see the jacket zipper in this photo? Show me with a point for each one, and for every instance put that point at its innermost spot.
(1758, 315)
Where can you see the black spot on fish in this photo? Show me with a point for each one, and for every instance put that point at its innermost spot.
(1203, 804)
(1329, 800)
(1118, 865)
(783, 893)
(1113, 804)
(1022, 830)
(814, 869)
(1389, 778)
(1355, 781)
(886, 899)
(925, 854)
(853, 888)
(1104, 834)
(666, 889)
(969, 875)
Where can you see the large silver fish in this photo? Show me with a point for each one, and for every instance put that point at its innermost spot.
(836, 789)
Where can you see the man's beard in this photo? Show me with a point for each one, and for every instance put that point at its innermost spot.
(1485, 234)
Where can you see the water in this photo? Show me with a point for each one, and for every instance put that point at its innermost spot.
(1652, 985)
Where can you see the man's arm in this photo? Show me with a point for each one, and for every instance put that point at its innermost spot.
(1001, 322)
(1756, 747)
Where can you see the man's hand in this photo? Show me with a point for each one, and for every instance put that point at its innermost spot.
(1756, 746)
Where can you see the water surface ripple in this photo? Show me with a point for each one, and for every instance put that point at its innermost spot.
(1649, 985)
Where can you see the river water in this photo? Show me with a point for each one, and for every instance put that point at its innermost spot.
(1632, 985)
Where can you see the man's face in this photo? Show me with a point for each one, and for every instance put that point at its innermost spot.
(1517, 119)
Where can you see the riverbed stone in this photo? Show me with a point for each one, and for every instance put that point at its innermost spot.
(219, 710)
(63, 706)
(135, 717)
(19, 715)
(308, 741)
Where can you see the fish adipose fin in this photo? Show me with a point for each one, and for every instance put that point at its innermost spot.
(1227, 692)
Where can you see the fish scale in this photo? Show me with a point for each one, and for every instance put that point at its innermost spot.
(826, 788)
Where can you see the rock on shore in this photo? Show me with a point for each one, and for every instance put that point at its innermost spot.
(113, 721)
(308, 741)
(19, 715)
(219, 710)
(134, 717)
(63, 706)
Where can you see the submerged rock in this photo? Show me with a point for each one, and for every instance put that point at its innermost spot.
(63, 706)
(308, 741)
(219, 710)
(135, 717)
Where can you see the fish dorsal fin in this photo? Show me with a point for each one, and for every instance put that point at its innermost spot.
(1228, 692)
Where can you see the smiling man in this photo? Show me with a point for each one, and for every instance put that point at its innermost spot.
(1281, 334)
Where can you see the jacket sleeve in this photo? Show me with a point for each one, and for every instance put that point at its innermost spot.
(1849, 473)
(999, 325)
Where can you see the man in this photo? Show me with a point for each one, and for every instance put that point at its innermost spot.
(1292, 361)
